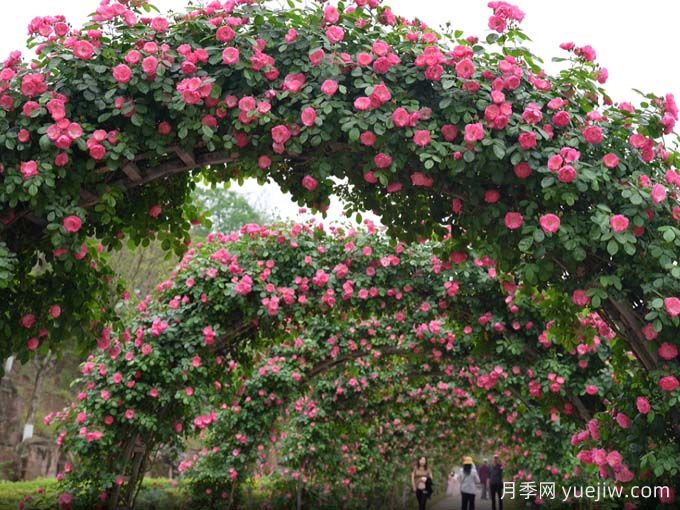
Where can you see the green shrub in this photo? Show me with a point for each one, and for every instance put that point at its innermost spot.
(42, 494)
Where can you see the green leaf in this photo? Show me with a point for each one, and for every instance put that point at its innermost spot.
(612, 247)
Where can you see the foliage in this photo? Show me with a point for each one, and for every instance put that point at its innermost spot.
(42, 494)
(264, 343)
(572, 197)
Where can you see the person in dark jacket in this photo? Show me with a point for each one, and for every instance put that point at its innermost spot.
(496, 483)
(484, 471)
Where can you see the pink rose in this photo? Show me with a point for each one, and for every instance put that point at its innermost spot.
(382, 160)
(643, 405)
(659, 192)
(513, 220)
(474, 132)
(155, 211)
(225, 33)
(669, 383)
(619, 223)
(122, 73)
(672, 305)
(527, 140)
(422, 137)
(362, 103)
(561, 119)
(623, 421)
(32, 344)
(523, 170)
(335, 34)
(668, 351)
(230, 55)
(72, 224)
(309, 183)
(329, 87)
(29, 169)
(149, 65)
(449, 132)
(400, 117)
(593, 134)
(610, 160)
(308, 116)
(83, 50)
(420, 179)
(330, 14)
(280, 134)
(580, 298)
(550, 223)
(567, 174)
(497, 24)
(159, 24)
(293, 82)
(368, 138)
(465, 69)
(133, 57)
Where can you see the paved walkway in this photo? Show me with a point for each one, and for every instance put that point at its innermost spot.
(454, 503)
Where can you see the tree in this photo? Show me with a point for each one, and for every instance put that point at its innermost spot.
(227, 211)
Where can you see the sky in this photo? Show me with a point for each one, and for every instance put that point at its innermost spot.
(636, 41)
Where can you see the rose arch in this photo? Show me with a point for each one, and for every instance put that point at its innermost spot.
(109, 128)
(296, 342)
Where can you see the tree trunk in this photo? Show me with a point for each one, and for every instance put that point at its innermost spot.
(42, 366)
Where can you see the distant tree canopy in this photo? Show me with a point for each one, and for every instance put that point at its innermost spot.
(226, 211)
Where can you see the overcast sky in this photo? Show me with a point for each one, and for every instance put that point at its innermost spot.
(636, 41)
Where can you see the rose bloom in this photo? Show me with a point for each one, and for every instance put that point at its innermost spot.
(668, 351)
(308, 116)
(83, 50)
(550, 223)
(619, 223)
(672, 305)
(610, 160)
(230, 55)
(643, 405)
(309, 183)
(527, 141)
(580, 298)
(669, 383)
(29, 169)
(474, 132)
(593, 134)
(382, 160)
(566, 174)
(329, 87)
(280, 134)
(72, 224)
(523, 170)
(513, 220)
(122, 73)
(422, 137)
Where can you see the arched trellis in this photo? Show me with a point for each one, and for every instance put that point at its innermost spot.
(333, 300)
(542, 173)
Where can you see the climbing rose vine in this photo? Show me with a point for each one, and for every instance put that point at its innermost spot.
(264, 342)
(569, 191)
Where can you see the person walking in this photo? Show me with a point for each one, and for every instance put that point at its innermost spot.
(468, 479)
(484, 471)
(421, 481)
(496, 483)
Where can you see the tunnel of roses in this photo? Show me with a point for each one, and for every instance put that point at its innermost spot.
(527, 280)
